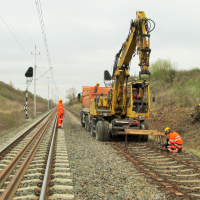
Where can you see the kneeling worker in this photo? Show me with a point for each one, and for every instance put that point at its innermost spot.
(60, 113)
(174, 141)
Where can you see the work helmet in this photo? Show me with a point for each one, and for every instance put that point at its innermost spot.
(167, 129)
(98, 83)
(60, 99)
(134, 89)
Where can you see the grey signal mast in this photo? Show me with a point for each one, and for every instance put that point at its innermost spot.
(29, 76)
(34, 113)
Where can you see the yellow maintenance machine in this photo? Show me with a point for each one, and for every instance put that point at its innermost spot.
(126, 104)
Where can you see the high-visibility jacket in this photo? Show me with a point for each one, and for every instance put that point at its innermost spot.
(174, 138)
(60, 108)
(60, 113)
(174, 142)
(95, 86)
(137, 97)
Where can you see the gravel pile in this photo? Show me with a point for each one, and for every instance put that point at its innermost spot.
(100, 172)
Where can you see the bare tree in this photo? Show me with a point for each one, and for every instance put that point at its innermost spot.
(71, 94)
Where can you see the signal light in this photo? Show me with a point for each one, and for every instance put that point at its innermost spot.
(29, 72)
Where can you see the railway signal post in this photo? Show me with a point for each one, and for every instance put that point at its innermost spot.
(29, 76)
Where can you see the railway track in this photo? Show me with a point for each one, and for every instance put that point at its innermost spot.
(35, 165)
(177, 173)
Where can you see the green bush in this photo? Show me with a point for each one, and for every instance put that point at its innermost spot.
(163, 70)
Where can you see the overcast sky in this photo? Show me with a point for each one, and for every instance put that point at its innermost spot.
(83, 37)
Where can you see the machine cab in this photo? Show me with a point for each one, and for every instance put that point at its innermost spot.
(138, 99)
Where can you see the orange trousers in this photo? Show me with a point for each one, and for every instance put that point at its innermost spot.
(174, 149)
(60, 118)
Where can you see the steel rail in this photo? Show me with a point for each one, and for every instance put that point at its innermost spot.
(13, 163)
(14, 183)
(172, 185)
(153, 175)
(46, 180)
(27, 131)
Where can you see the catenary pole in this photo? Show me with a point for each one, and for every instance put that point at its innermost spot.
(34, 110)
(26, 107)
(48, 90)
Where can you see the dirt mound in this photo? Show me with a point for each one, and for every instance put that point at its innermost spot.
(179, 120)
(195, 114)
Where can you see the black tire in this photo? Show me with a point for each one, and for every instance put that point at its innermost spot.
(93, 134)
(82, 123)
(88, 128)
(144, 126)
(106, 131)
(99, 131)
(85, 122)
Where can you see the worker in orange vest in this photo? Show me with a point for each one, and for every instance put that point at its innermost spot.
(95, 86)
(174, 141)
(60, 113)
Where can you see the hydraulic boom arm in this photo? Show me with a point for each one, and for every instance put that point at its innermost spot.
(137, 42)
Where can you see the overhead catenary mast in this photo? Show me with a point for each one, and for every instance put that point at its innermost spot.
(48, 90)
(34, 109)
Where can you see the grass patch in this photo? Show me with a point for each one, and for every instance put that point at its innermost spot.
(10, 120)
(5, 132)
(11, 107)
(77, 107)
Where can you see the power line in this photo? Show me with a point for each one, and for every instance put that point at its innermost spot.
(22, 25)
(44, 73)
(18, 24)
(39, 11)
(24, 30)
(16, 38)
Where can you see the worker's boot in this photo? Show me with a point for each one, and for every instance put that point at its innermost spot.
(180, 150)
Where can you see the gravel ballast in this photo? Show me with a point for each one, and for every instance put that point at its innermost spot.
(100, 172)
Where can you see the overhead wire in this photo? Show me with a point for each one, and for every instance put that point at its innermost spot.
(16, 39)
(18, 25)
(40, 16)
(22, 27)
(43, 74)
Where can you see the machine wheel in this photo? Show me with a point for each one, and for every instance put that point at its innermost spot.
(93, 134)
(144, 126)
(106, 131)
(82, 123)
(87, 123)
(99, 131)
